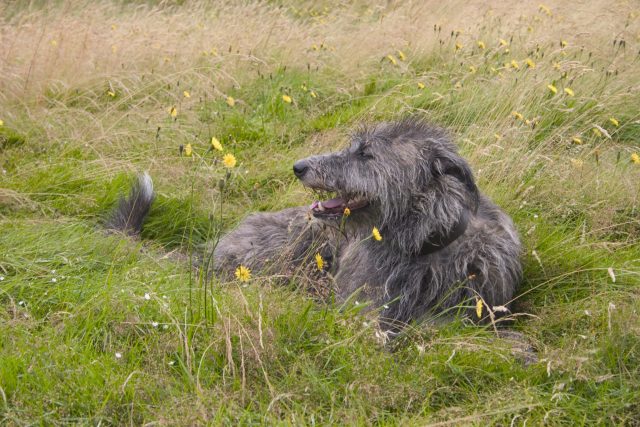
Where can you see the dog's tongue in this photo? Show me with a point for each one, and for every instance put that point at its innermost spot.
(333, 203)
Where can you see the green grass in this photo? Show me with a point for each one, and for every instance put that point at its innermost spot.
(98, 328)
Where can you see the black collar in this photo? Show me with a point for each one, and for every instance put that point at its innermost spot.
(437, 241)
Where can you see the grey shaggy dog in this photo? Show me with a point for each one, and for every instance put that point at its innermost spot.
(443, 246)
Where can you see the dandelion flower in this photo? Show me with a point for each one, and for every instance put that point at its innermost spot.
(556, 66)
(563, 43)
(313, 94)
(111, 93)
(420, 85)
(458, 85)
(479, 308)
(402, 56)
(229, 160)
(304, 87)
(635, 158)
(376, 234)
(346, 212)
(319, 262)
(113, 27)
(216, 144)
(392, 59)
(173, 112)
(186, 94)
(481, 44)
(497, 136)
(188, 151)
(1, 123)
(458, 46)
(472, 69)
(517, 115)
(577, 140)
(577, 163)
(287, 99)
(596, 132)
(553, 89)
(568, 91)
(230, 101)
(614, 122)
(243, 273)
(54, 43)
(514, 64)
(503, 42)
(530, 63)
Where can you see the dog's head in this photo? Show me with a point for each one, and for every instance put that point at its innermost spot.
(407, 176)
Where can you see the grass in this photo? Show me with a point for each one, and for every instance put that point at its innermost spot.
(103, 329)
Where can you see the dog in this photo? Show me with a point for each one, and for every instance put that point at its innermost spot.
(408, 231)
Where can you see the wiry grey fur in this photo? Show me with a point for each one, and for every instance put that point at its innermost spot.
(418, 188)
(131, 210)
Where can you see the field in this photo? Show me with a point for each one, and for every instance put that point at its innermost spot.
(97, 328)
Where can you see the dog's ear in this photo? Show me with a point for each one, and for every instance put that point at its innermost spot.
(458, 168)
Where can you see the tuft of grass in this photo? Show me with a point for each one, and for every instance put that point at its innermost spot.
(98, 328)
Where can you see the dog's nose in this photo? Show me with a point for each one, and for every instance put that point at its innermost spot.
(300, 168)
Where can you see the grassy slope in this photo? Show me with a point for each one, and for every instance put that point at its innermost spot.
(85, 103)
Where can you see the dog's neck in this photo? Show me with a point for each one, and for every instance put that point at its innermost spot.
(440, 241)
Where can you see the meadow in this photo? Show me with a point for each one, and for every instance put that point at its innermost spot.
(216, 100)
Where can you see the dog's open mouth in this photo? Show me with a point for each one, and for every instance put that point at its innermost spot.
(335, 208)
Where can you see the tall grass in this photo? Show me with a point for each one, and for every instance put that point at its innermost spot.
(96, 328)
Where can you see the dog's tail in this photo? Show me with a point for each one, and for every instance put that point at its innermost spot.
(131, 211)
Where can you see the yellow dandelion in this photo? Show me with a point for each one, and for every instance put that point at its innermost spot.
(230, 101)
(497, 136)
(304, 87)
(479, 306)
(346, 212)
(188, 150)
(173, 112)
(1, 123)
(229, 160)
(481, 44)
(313, 94)
(556, 66)
(577, 163)
(111, 93)
(54, 43)
(243, 273)
(635, 158)
(596, 132)
(614, 122)
(553, 89)
(216, 144)
(287, 99)
(376, 234)
(530, 63)
(577, 140)
(503, 42)
(458, 46)
(314, 47)
(421, 85)
(563, 43)
(113, 27)
(517, 115)
(472, 69)
(402, 56)
(186, 94)
(514, 64)
(392, 59)
(319, 262)
(458, 85)
(213, 52)
(568, 91)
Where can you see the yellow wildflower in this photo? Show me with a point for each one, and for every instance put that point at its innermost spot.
(319, 262)
(568, 91)
(188, 150)
(54, 43)
(229, 160)
(472, 69)
(114, 26)
(346, 212)
(314, 47)
(517, 115)
(243, 273)
(287, 99)
(420, 85)
(186, 94)
(503, 42)
(304, 87)
(230, 101)
(458, 46)
(458, 85)
(514, 64)
(392, 59)
(313, 94)
(1, 123)
(530, 63)
(497, 136)
(577, 163)
(376, 234)
(402, 56)
(596, 132)
(479, 308)
(635, 158)
(577, 140)
(563, 43)
(545, 9)
(614, 122)
(111, 93)
(553, 89)
(216, 144)
(173, 112)
(481, 44)
(556, 66)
